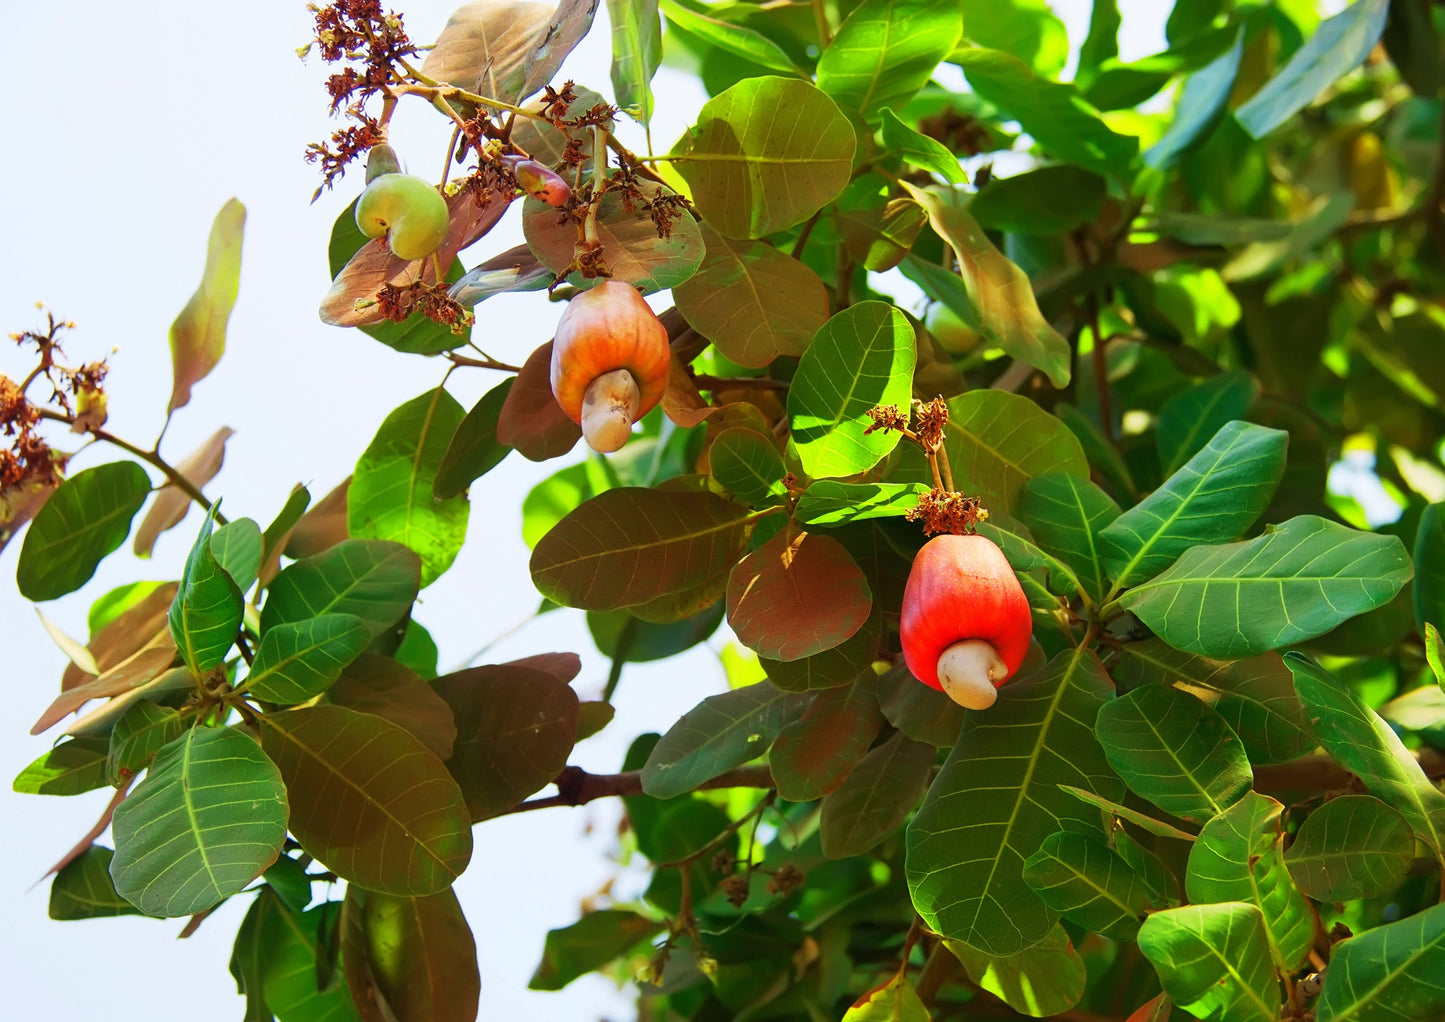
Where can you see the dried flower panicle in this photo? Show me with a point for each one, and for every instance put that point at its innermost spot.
(556, 101)
(929, 418)
(28, 460)
(431, 300)
(886, 418)
(946, 511)
(787, 879)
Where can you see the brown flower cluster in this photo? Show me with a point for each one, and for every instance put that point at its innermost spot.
(27, 458)
(431, 300)
(946, 511)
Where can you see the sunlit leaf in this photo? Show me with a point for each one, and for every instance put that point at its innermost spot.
(1046, 979)
(73, 766)
(371, 579)
(833, 503)
(1430, 568)
(206, 613)
(1214, 961)
(721, 732)
(1086, 882)
(893, 1001)
(414, 957)
(885, 51)
(631, 247)
(1353, 846)
(1390, 972)
(588, 944)
(920, 150)
(1198, 108)
(84, 520)
(237, 547)
(1065, 515)
(796, 595)
(636, 54)
(198, 335)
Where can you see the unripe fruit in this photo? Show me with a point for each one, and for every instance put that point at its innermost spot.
(381, 159)
(408, 210)
(966, 623)
(610, 361)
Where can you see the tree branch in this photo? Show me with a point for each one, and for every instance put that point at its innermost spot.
(577, 787)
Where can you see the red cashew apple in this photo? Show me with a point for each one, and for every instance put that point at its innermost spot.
(610, 360)
(966, 623)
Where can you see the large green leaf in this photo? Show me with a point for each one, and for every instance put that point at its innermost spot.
(1201, 102)
(1213, 498)
(891, 1001)
(997, 798)
(1238, 857)
(1429, 568)
(1044, 980)
(391, 491)
(299, 660)
(630, 545)
(832, 503)
(1050, 200)
(717, 734)
(1173, 750)
(875, 797)
(862, 357)
(198, 335)
(751, 300)
(371, 579)
(588, 944)
(85, 890)
(73, 766)
(738, 40)
(207, 819)
(205, 616)
(1191, 417)
(1065, 514)
(1353, 846)
(814, 753)
(515, 726)
(920, 150)
(1085, 881)
(294, 950)
(391, 690)
(636, 54)
(83, 522)
(1214, 961)
(142, 731)
(764, 155)
(1256, 696)
(1001, 303)
(369, 800)
(885, 51)
(414, 958)
(1358, 739)
(1339, 46)
(237, 548)
(746, 464)
(1028, 29)
(473, 449)
(1294, 582)
(1392, 972)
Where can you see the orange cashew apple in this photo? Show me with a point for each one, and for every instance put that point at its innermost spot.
(610, 360)
(966, 623)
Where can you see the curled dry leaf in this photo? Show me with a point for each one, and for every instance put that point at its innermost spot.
(516, 269)
(170, 506)
(374, 266)
(198, 335)
(142, 666)
(531, 420)
(124, 636)
(681, 402)
(322, 526)
(18, 505)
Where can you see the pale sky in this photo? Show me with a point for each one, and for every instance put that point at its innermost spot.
(127, 128)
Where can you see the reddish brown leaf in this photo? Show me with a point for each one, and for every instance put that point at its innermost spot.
(322, 526)
(379, 685)
(562, 666)
(631, 247)
(124, 636)
(135, 670)
(531, 421)
(507, 49)
(374, 266)
(796, 595)
(681, 402)
(198, 335)
(18, 505)
(814, 753)
(920, 711)
(1156, 1009)
(170, 506)
(409, 958)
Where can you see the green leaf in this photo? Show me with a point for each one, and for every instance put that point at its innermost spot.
(412, 958)
(832, 667)
(875, 797)
(632, 249)
(814, 753)
(862, 357)
(832, 503)
(1086, 882)
(1256, 697)
(620, 636)
(294, 949)
(1200, 104)
(1123, 812)
(997, 798)
(1101, 44)
(764, 155)
(719, 733)
(1024, 555)
(1238, 857)
(1192, 415)
(1028, 29)
(299, 660)
(1214, 961)
(1046, 979)
(370, 579)
(751, 300)
(920, 711)
(1353, 846)
(885, 51)
(1001, 302)
(138, 735)
(1049, 200)
(588, 944)
(205, 616)
(208, 818)
(369, 800)
(738, 40)
(1294, 582)
(279, 531)
(1053, 113)
(74, 766)
(1339, 46)
(516, 726)
(920, 150)
(237, 549)
(1174, 751)
(630, 545)
(746, 464)
(1065, 515)
(1101, 453)
(391, 492)
(1435, 653)
(636, 54)
(879, 236)
(1429, 567)
(84, 889)
(473, 450)
(893, 1001)
(84, 521)
(198, 335)
(797, 595)
(1392, 972)
(380, 685)
(1216, 496)
(1358, 739)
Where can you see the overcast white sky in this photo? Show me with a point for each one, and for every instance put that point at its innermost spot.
(126, 128)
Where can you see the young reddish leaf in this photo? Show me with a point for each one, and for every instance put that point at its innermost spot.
(410, 958)
(1156, 1009)
(631, 247)
(562, 666)
(797, 595)
(631, 545)
(379, 685)
(515, 729)
(682, 402)
(831, 668)
(198, 335)
(507, 49)
(369, 800)
(872, 801)
(920, 711)
(751, 300)
(170, 506)
(814, 753)
(322, 526)
(531, 420)
(126, 675)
